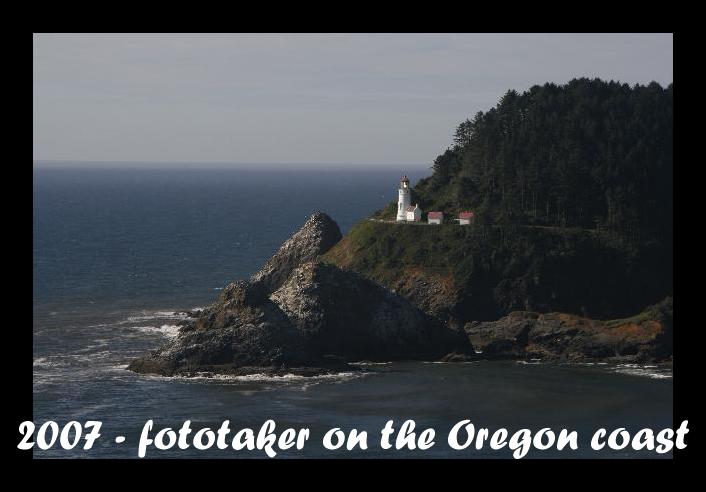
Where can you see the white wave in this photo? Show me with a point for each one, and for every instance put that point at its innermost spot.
(103, 325)
(285, 377)
(54, 362)
(76, 361)
(166, 330)
(89, 359)
(99, 343)
(40, 380)
(262, 377)
(146, 316)
(43, 362)
(647, 371)
(154, 315)
(365, 363)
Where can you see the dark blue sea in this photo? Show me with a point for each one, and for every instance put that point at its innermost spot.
(116, 252)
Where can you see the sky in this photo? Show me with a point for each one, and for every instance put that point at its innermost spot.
(316, 99)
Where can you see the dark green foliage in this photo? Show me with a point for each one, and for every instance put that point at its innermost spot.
(503, 269)
(589, 154)
(572, 187)
(389, 212)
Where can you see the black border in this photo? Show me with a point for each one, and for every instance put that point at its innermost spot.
(684, 366)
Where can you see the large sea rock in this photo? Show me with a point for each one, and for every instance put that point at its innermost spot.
(319, 234)
(299, 315)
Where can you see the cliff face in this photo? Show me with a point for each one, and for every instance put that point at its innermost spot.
(299, 315)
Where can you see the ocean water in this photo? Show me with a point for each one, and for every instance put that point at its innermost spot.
(117, 252)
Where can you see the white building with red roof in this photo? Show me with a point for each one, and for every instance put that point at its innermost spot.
(466, 218)
(414, 213)
(435, 217)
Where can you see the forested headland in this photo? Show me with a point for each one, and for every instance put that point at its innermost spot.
(572, 187)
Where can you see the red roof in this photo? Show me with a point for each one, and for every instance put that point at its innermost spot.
(435, 215)
(405, 178)
(465, 215)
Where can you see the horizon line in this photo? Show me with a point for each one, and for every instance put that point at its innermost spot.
(80, 162)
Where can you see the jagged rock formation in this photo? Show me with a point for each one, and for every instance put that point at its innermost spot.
(305, 316)
(315, 238)
(647, 337)
(298, 315)
(343, 313)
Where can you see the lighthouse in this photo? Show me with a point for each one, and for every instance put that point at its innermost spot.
(404, 200)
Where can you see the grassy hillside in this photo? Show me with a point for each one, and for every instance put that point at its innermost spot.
(467, 273)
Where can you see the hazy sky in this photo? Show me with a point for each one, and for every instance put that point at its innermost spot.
(296, 98)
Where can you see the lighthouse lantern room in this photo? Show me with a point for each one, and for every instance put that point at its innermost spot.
(404, 200)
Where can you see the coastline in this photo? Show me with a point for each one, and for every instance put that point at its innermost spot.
(301, 316)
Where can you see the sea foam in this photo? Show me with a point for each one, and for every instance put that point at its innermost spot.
(166, 330)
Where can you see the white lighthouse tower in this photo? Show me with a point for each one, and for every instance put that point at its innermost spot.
(404, 200)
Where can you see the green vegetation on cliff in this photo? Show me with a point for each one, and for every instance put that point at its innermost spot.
(586, 154)
(572, 187)
(481, 273)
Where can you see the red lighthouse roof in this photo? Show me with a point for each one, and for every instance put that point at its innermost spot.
(405, 178)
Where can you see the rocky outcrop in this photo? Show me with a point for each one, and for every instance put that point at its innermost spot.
(304, 316)
(298, 315)
(345, 314)
(315, 238)
(646, 337)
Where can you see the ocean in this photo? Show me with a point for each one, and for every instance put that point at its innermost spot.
(116, 252)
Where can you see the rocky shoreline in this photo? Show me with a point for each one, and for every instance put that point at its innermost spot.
(561, 337)
(299, 315)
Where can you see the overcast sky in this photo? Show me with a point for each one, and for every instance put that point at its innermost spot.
(317, 99)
